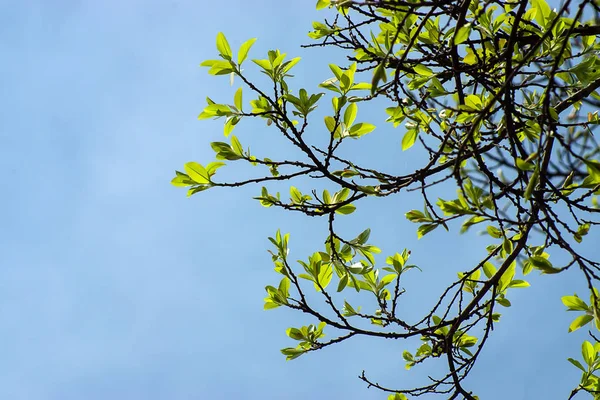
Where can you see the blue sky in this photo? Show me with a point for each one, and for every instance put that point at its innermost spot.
(114, 285)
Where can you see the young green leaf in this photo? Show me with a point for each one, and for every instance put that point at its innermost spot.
(362, 128)
(323, 3)
(350, 115)
(462, 34)
(580, 321)
(237, 99)
(489, 269)
(223, 46)
(346, 209)
(409, 139)
(244, 49)
(532, 184)
(212, 167)
(182, 180)
(295, 195)
(425, 229)
(379, 74)
(574, 303)
(197, 172)
(289, 64)
(507, 277)
(423, 70)
(588, 352)
(518, 283)
(577, 364)
(337, 71)
(236, 146)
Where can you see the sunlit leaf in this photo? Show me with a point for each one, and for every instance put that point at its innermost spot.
(223, 46)
(579, 322)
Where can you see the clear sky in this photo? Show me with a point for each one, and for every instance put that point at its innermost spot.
(113, 285)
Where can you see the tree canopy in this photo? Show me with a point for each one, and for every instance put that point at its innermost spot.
(499, 99)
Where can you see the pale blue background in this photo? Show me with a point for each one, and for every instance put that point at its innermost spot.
(113, 285)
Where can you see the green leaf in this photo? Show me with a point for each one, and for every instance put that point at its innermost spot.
(543, 265)
(470, 58)
(331, 126)
(323, 3)
(290, 353)
(580, 321)
(346, 173)
(362, 128)
(474, 102)
(182, 180)
(533, 181)
(229, 125)
(284, 287)
(379, 74)
(295, 195)
(224, 151)
(346, 209)
(593, 168)
(294, 333)
(237, 99)
(582, 231)
(236, 146)
(462, 34)
(409, 139)
(197, 189)
(386, 280)
(244, 49)
(577, 364)
(425, 229)
(264, 64)
(289, 64)
(215, 110)
(507, 277)
(503, 302)
(212, 167)
(417, 216)
(337, 71)
(524, 165)
(453, 207)
(324, 276)
(327, 197)
(348, 309)
(197, 172)
(219, 68)
(329, 84)
(423, 70)
(397, 396)
(518, 283)
(276, 58)
(507, 246)
(588, 352)
(364, 236)
(489, 269)
(341, 195)
(270, 304)
(347, 78)
(574, 303)
(543, 11)
(341, 286)
(471, 221)
(223, 46)
(494, 232)
(361, 86)
(350, 115)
